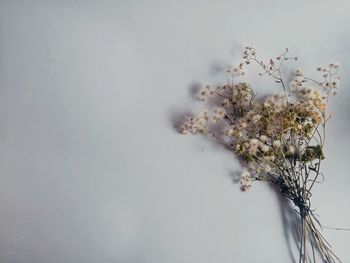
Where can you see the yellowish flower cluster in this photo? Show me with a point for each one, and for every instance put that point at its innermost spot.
(274, 131)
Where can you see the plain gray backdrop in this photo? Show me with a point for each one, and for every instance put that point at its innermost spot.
(91, 167)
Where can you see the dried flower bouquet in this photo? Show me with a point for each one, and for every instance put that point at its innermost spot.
(279, 138)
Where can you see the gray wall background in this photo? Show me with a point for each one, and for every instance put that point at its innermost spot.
(91, 167)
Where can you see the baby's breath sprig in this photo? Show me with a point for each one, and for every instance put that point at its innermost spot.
(279, 138)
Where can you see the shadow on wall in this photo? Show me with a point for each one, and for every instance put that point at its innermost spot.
(340, 103)
(290, 221)
(178, 117)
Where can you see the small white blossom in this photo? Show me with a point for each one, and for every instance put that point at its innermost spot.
(277, 144)
(264, 148)
(254, 141)
(246, 181)
(256, 118)
(266, 167)
(292, 149)
(219, 113)
(263, 138)
(243, 124)
(183, 129)
(205, 93)
(253, 148)
(270, 158)
(225, 103)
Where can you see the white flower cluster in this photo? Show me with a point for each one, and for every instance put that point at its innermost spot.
(245, 181)
(219, 113)
(238, 71)
(197, 124)
(205, 93)
(329, 83)
(276, 102)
